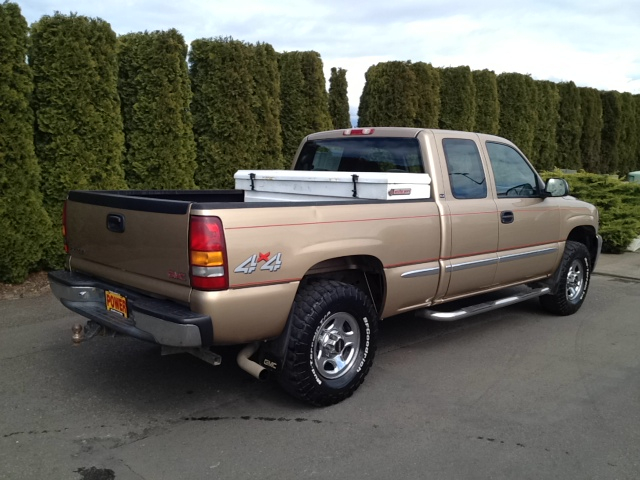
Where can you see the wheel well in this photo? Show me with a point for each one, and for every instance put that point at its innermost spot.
(362, 271)
(587, 236)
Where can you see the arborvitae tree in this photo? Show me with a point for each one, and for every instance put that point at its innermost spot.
(458, 97)
(628, 134)
(317, 101)
(223, 110)
(518, 114)
(543, 154)
(611, 131)
(292, 94)
(338, 100)
(427, 95)
(305, 104)
(366, 97)
(78, 137)
(636, 165)
(267, 107)
(155, 95)
(24, 224)
(487, 103)
(569, 126)
(390, 97)
(590, 139)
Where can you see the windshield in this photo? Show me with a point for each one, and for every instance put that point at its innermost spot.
(361, 154)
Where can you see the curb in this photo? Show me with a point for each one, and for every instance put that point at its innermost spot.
(613, 275)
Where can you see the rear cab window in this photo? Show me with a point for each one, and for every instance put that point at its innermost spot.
(373, 154)
(466, 173)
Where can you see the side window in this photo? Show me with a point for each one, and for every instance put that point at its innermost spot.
(513, 175)
(466, 174)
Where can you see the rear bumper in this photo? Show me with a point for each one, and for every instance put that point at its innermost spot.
(150, 319)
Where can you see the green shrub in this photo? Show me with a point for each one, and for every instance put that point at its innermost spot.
(618, 203)
(338, 100)
(24, 225)
(155, 95)
(78, 129)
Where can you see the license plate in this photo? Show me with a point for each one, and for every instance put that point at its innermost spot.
(116, 303)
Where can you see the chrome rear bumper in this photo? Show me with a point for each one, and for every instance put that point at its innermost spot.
(149, 319)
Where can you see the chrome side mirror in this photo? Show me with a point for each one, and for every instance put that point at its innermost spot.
(556, 187)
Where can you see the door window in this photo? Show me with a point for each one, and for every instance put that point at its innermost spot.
(513, 175)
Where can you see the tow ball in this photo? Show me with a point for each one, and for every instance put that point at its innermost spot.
(90, 330)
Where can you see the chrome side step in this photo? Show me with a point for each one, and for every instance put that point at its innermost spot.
(480, 307)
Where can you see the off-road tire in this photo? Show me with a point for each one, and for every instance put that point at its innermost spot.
(332, 343)
(574, 275)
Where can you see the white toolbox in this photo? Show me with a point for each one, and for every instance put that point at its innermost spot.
(297, 185)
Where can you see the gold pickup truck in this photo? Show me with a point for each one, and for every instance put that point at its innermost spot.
(302, 265)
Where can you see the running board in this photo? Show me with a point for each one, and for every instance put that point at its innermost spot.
(481, 307)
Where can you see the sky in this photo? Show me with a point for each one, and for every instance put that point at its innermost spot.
(592, 43)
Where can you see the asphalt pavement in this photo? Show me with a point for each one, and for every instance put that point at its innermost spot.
(513, 393)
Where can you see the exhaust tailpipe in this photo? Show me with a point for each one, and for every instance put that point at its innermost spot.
(250, 366)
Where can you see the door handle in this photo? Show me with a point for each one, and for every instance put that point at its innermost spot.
(115, 223)
(507, 217)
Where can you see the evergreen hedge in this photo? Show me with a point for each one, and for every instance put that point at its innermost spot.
(338, 100)
(487, 115)
(569, 128)
(305, 103)
(224, 123)
(627, 147)
(267, 107)
(611, 131)
(292, 94)
(590, 138)
(155, 97)
(428, 103)
(544, 149)
(24, 225)
(390, 98)
(518, 112)
(458, 99)
(78, 126)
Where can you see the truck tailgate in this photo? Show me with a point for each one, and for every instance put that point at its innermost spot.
(144, 245)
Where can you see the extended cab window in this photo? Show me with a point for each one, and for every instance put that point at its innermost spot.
(361, 154)
(513, 175)
(466, 174)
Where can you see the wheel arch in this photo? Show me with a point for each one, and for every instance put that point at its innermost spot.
(363, 271)
(586, 235)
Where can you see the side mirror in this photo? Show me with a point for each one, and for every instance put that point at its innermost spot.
(556, 187)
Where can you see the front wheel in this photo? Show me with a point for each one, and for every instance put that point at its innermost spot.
(573, 281)
(332, 342)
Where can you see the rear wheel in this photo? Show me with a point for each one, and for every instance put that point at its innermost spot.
(332, 342)
(573, 281)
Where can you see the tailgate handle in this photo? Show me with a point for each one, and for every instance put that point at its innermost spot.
(115, 222)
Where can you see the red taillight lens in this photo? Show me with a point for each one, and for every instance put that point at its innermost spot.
(207, 254)
(64, 226)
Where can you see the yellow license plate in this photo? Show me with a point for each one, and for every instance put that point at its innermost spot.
(116, 303)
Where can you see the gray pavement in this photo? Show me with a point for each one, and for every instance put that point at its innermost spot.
(625, 265)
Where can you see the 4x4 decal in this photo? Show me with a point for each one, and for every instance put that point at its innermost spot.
(272, 264)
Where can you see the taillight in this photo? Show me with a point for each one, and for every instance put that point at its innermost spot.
(207, 254)
(358, 131)
(64, 226)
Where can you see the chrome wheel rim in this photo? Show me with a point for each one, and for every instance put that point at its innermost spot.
(575, 281)
(336, 345)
